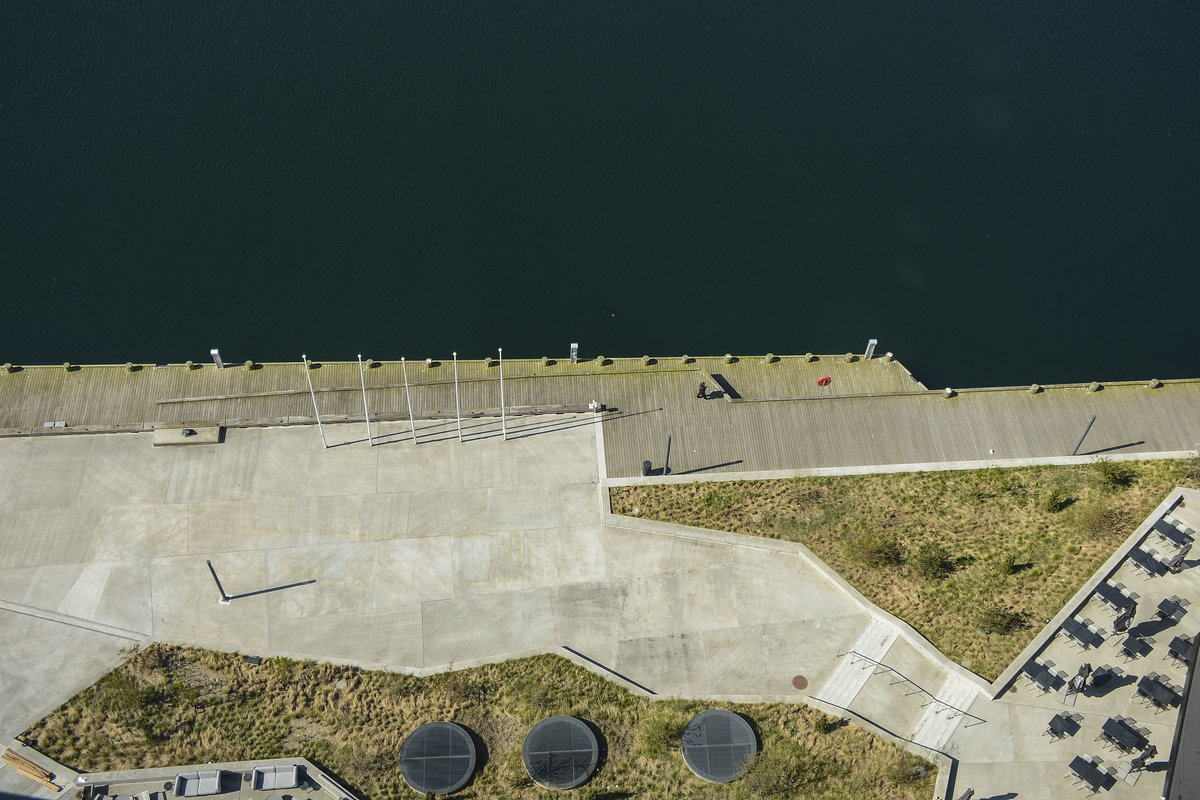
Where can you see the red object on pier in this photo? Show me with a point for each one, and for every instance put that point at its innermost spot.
(824, 380)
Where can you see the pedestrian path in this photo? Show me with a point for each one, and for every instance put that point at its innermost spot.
(944, 714)
(853, 671)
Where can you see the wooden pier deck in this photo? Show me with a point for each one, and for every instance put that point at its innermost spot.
(766, 415)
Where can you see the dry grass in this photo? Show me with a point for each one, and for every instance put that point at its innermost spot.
(171, 705)
(1018, 543)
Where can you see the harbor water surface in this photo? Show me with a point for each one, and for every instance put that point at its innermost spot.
(1000, 193)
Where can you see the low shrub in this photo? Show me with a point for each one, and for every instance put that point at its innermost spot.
(875, 549)
(780, 768)
(1112, 475)
(931, 561)
(993, 617)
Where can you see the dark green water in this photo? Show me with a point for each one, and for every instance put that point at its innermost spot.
(1000, 192)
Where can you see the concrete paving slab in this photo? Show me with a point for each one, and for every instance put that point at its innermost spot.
(123, 598)
(578, 503)
(117, 474)
(771, 586)
(411, 571)
(344, 578)
(43, 663)
(693, 600)
(38, 536)
(442, 512)
(385, 516)
(631, 554)
(487, 626)
(671, 665)
(282, 463)
(735, 659)
(566, 555)
(15, 454)
(342, 470)
(186, 601)
(488, 563)
(403, 467)
(808, 647)
(140, 531)
(15, 583)
(376, 637)
(53, 473)
(521, 508)
(586, 617)
(331, 520)
(208, 474)
(243, 525)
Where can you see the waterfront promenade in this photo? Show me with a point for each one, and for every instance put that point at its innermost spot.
(761, 416)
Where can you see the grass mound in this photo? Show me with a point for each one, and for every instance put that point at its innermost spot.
(172, 705)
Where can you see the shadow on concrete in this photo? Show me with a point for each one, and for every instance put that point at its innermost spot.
(1151, 626)
(710, 467)
(609, 670)
(1107, 679)
(271, 589)
(1110, 449)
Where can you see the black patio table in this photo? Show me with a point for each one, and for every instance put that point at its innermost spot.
(1171, 608)
(1167, 531)
(1058, 725)
(1042, 677)
(1145, 562)
(1181, 648)
(1081, 633)
(1086, 770)
(1113, 597)
(1156, 691)
(1119, 732)
(1136, 646)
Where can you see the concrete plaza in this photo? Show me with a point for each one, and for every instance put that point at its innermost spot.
(419, 557)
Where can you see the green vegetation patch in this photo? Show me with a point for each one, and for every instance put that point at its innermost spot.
(975, 560)
(171, 706)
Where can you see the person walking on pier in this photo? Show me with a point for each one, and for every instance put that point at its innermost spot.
(703, 393)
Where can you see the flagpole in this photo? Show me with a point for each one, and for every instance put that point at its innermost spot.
(503, 422)
(366, 412)
(311, 391)
(408, 396)
(457, 406)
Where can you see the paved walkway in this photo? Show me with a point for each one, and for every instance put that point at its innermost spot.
(422, 556)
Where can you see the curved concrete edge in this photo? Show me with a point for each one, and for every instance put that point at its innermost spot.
(906, 631)
(1000, 685)
(872, 469)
